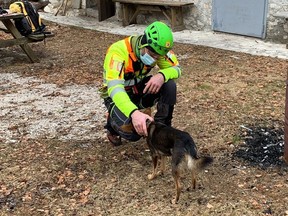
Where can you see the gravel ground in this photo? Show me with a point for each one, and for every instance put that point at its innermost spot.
(34, 109)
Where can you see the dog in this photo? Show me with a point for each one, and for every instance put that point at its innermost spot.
(165, 141)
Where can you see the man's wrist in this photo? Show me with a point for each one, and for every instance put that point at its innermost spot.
(132, 112)
(162, 75)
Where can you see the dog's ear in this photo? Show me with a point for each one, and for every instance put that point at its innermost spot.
(150, 127)
(147, 111)
(128, 128)
(148, 123)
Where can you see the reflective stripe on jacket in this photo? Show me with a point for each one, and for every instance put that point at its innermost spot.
(123, 68)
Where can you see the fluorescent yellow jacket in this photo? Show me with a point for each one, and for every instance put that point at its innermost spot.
(122, 67)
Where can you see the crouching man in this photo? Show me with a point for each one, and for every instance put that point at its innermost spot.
(128, 87)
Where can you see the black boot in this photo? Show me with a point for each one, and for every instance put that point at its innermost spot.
(164, 113)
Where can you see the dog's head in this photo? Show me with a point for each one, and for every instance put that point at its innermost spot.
(151, 126)
(129, 128)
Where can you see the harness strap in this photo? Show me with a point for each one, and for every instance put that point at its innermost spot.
(130, 50)
(131, 82)
(132, 56)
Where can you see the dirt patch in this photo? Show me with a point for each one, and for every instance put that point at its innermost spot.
(55, 159)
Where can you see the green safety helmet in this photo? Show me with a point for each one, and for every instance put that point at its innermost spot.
(159, 37)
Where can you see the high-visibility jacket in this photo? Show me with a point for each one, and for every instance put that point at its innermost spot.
(122, 68)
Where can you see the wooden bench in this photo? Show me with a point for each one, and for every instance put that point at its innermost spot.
(18, 39)
(172, 10)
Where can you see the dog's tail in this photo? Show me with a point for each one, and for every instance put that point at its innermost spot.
(199, 163)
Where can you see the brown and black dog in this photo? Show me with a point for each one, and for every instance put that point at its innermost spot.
(168, 141)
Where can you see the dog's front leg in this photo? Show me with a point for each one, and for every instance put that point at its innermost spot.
(155, 164)
(163, 163)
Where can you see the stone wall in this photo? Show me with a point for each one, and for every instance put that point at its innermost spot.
(277, 27)
(199, 18)
(5, 3)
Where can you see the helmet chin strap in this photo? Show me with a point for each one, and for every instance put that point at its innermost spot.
(140, 46)
(137, 46)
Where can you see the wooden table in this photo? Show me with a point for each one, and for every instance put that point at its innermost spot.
(172, 10)
(7, 20)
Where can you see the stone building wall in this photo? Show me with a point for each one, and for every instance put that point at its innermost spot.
(199, 18)
(196, 18)
(277, 27)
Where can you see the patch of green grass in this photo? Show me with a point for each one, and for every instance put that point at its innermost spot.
(205, 86)
(236, 139)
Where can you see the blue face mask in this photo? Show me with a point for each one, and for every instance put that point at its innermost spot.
(147, 59)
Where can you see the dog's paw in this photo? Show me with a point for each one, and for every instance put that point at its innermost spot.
(174, 201)
(151, 176)
(160, 172)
